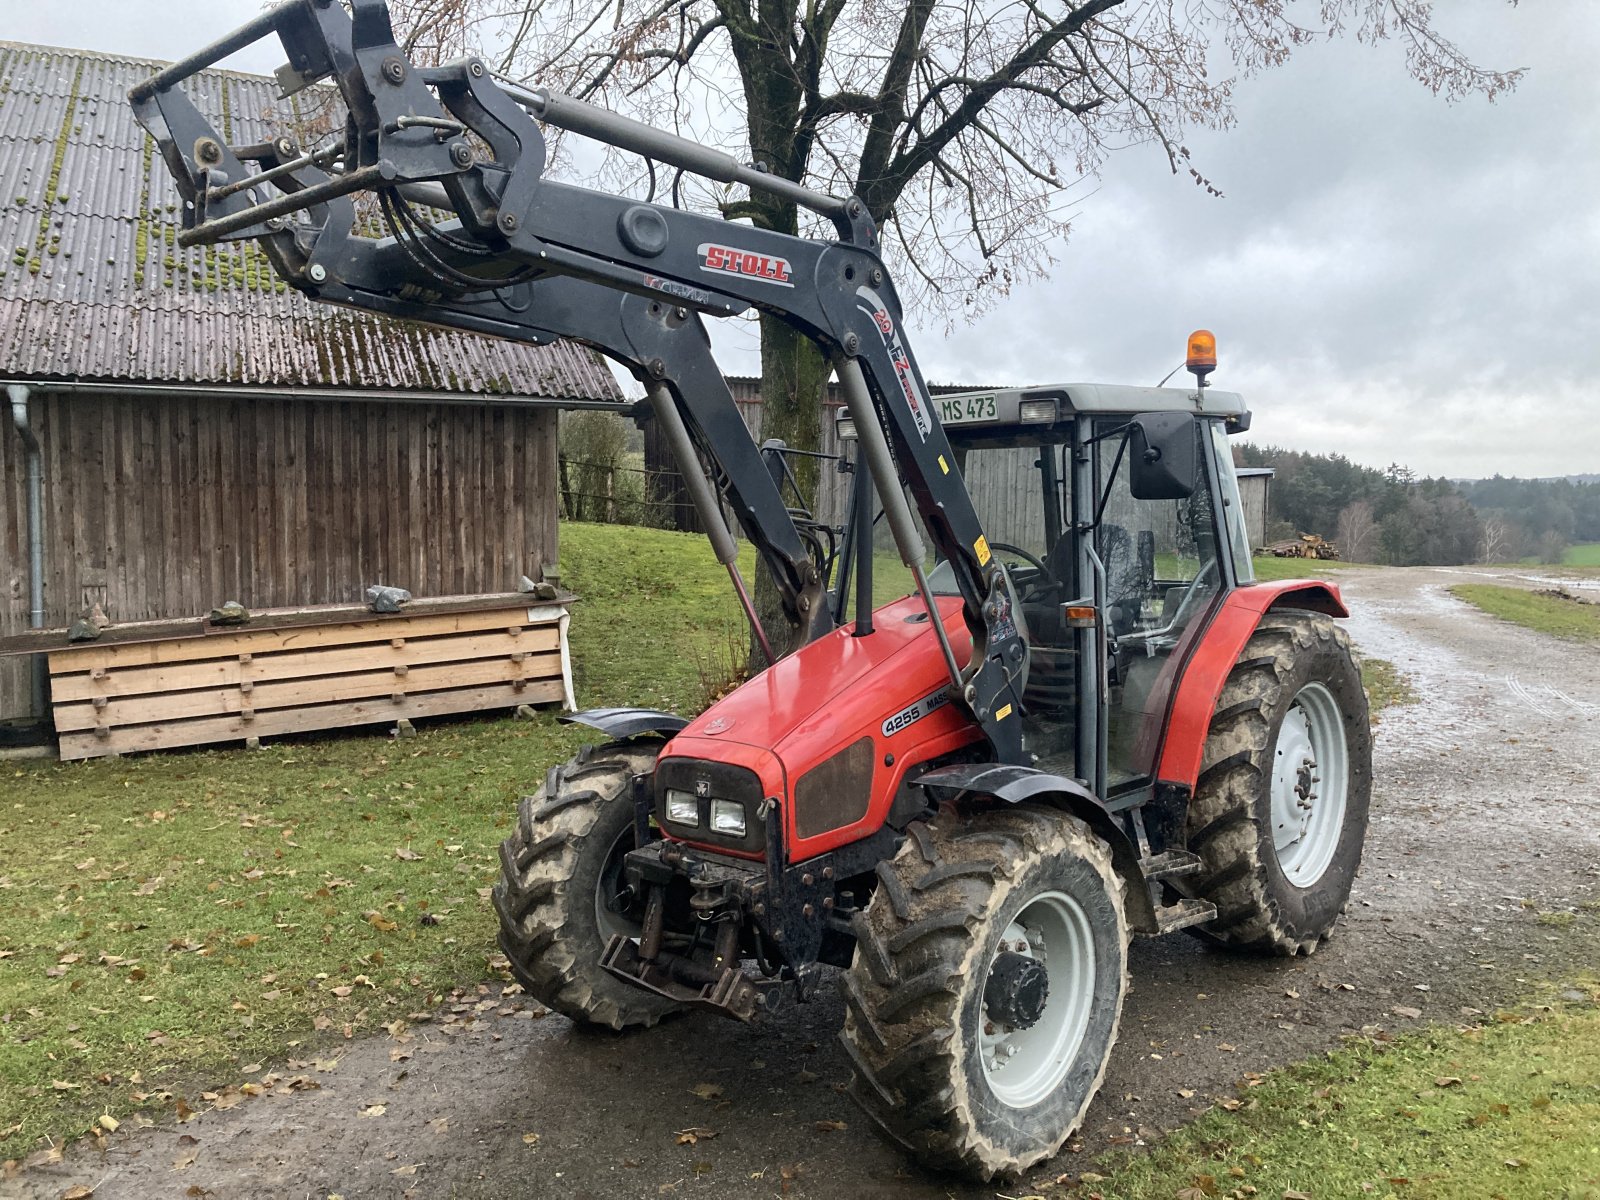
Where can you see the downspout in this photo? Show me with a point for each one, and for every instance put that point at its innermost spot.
(19, 395)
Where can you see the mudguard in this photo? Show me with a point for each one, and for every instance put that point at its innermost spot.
(624, 723)
(1213, 659)
(1014, 785)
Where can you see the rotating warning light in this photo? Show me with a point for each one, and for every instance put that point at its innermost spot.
(1202, 352)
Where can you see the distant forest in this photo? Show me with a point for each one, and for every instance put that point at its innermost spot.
(1395, 516)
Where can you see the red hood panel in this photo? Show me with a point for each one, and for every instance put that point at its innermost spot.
(820, 689)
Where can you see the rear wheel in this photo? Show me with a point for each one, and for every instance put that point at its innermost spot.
(1280, 814)
(562, 894)
(987, 987)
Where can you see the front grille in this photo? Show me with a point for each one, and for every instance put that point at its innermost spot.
(708, 780)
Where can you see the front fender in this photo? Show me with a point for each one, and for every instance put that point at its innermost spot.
(1219, 649)
(624, 723)
(1014, 785)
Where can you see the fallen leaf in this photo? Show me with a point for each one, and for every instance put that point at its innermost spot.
(1186, 1093)
(1410, 1014)
(407, 853)
(184, 1160)
(707, 1091)
(830, 1126)
(109, 1123)
(406, 1172)
(374, 1110)
(439, 1124)
(530, 1139)
(1291, 1194)
(80, 1192)
(1445, 1081)
(695, 1133)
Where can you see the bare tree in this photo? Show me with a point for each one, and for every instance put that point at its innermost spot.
(1356, 532)
(1497, 538)
(962, 125)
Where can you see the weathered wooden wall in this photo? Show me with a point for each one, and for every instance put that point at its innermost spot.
(166, 507)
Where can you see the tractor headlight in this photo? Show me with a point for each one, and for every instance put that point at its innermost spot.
(683, 808)
(727, 816)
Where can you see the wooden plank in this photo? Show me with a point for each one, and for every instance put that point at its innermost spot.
(132, 739)
(265, 641)
(261, 668)
(295, 693)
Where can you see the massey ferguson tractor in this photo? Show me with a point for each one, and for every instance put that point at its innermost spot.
(1086, 720)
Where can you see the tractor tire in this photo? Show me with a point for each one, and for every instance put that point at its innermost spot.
(1279, 816)
(960, 1055)
(559, 886)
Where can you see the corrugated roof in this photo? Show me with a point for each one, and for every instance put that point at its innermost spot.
(93, 284)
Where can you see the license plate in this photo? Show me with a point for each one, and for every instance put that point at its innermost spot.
(960, 410)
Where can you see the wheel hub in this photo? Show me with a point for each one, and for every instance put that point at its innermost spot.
(1309, 781)
(1016, 992)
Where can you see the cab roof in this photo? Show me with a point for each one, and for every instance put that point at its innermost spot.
(973, 407)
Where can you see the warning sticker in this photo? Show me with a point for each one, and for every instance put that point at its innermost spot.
(982, 548)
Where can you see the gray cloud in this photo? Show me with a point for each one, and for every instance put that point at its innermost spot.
(1389, 276)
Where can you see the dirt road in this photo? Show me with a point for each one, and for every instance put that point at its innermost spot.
(1484, 815)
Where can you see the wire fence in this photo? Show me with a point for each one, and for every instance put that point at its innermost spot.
(618, 494)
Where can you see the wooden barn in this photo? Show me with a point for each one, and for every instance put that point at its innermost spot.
(181, 430)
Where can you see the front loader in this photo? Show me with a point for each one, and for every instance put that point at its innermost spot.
(1085, 720)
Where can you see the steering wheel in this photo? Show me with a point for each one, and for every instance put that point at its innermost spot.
(1038, 585)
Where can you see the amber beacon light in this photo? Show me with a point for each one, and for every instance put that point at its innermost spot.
(1202, 354)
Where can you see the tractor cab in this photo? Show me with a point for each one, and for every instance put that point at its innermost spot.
(1116, 514)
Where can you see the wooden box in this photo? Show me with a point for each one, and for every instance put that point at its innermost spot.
(190, 683)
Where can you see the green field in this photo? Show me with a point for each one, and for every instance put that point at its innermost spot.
(1555, 615)
(1586, 555)
(1269, 567)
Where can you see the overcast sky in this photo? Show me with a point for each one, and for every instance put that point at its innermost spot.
(1388, 276)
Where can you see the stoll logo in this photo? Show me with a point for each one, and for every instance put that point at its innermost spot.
(730, 260)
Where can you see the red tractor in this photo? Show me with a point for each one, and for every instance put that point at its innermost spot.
(1086, 720)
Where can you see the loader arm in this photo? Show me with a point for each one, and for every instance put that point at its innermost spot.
(451, 138)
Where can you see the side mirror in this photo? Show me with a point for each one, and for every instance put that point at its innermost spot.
(1163, 456)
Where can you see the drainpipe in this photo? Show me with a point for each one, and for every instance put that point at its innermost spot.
(19, 417)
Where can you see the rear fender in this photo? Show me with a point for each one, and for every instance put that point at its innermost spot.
(978, 782)
(625, 723)
(1208, 667)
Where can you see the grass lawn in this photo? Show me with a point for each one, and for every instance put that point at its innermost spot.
(174, 918)
(1508, 1110)
(1585, 555)
(1571, 619)
(1269, 567)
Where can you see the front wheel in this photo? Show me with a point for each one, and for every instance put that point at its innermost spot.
(1280, 813)
(987, 986)
(562, 894)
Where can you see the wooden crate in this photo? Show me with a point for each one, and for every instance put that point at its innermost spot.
(289, 672)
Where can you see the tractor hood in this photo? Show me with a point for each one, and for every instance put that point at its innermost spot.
(881, 702)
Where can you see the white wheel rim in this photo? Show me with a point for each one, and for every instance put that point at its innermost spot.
(1024, 1066)
(1310, 785)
